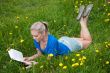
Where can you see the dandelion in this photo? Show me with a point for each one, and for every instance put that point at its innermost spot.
(17, 17)
(106, 20)
(108, 14)
(73, 59)
(21, 41)
(81, 63)
(50, 55)
(54, 21)
(82, 51)
(107, 62)
(64, 25)
(100, 59)
(10, 33)
(66, 57)
(77, 55)
(105, 42)
(26, 17)
(81, 1)
(41, 66)
(76, 6)
(75, 64)
(16, 26)
(64, 67)
(106, 46)
(60, 64)
(104, 5)
(97, 51)
(84, 57)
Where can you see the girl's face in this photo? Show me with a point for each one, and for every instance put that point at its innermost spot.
(36, 35)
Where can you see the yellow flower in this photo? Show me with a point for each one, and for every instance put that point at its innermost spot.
(41, 66)
(21, 40)
(50, 55)
(16, 26)
(84, 57)
(60, 64)
(80, 59)
(106, 46)
(81, 63)
(97, 51)
(108, 14)
(64, 67)
(75, 64)
(26, 17)
(77, 55)
(107, 62)
(73, 59)
(106, 20)
(76, 6)
(104, 5)
(81, 1)
(82, 51)
(17, 17)
(100, 59)
(10, 33)
(66, 57)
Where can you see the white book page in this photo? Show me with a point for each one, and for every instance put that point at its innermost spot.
(16, 55)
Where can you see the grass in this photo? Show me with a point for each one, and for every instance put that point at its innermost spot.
(16, 17)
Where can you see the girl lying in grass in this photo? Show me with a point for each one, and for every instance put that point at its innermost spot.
(46, 43)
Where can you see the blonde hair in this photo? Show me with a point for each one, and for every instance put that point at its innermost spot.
(40, 26)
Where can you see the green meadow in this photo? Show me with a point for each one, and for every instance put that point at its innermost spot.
(16, 17)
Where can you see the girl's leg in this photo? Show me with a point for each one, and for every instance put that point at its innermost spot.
(85, 37)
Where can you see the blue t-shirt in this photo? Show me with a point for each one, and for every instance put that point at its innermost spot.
(53, 47)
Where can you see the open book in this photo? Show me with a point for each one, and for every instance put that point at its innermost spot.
(18, 56)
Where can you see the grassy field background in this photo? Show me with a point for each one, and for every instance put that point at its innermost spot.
(16, 17)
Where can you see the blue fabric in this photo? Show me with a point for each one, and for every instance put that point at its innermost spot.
(53, 47)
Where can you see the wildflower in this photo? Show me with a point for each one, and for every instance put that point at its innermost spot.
(50, 55)
(80, 59)
(21, 40)
(76, 6)
(108, 14)
(105, 42)
(100, 59)
(10, 33)
(106, 46)
(73, 59)
(26, 17)
(66, 57)
(81, 63)
(84, 57)
(54, 21)
(97, 51)
(17, 17)
(64, 25)
(77, 55)
(104, 5)
(81, 1)
(106, 20)
(75, 64)
(82, 51)
(41, 66)
(60, 64)
(16, 26)
(64, 67)
(107, 62)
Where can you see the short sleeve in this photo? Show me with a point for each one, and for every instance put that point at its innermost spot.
(36, 44)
